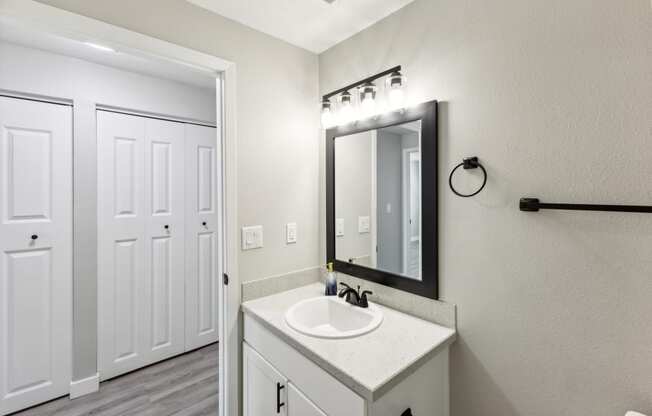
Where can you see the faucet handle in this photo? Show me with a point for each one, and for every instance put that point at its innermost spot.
(344, 289)
(363, 303)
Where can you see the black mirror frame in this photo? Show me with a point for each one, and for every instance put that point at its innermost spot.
(428, 286)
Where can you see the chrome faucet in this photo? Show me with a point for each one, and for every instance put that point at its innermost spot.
(354, 297)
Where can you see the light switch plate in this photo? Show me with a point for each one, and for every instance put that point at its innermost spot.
(291, 233)
(363, 225)
(339, 227)
(252, 237)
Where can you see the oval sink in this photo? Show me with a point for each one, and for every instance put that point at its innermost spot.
(332, 317)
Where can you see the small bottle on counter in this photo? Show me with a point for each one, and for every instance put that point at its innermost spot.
(331, 281)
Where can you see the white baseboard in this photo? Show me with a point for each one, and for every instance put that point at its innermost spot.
(84, 386)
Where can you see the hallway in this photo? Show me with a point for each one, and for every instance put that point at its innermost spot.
(181, 386)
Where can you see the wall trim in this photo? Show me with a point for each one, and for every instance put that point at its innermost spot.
(84, 386)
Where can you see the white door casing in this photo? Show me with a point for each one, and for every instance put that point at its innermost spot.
(121, 244)
(35, 273)
(202, 243)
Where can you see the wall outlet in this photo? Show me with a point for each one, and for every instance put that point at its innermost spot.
(291, 233)
(252, 237)
(339, 227)
(364, 225)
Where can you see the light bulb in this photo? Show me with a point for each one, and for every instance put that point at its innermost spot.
(368, 100)
(395, 90)
(347, 112)
(326, 115)
(396, 98)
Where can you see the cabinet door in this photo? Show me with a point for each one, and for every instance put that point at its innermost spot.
(264, 388)
(300, 405)
(202, 243)
(121, 243)
(35, 252)
(164, 239)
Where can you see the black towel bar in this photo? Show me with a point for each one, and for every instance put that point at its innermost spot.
(533, 205)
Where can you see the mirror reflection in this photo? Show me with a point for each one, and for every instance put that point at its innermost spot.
(378, 199)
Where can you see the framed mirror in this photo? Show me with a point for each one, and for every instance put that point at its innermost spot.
(381, 195)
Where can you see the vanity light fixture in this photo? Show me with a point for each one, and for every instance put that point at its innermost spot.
(369, 102)
(327, 119)
(347, 112)
(367, 99)
(395, 90)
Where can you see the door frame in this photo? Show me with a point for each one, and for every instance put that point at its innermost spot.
(59, 22)
(405, 215)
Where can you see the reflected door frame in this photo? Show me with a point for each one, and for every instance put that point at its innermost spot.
(406, 206)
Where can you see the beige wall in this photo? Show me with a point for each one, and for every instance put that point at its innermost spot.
(555, 97)
(278, 120)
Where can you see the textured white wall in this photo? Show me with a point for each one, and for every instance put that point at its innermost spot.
(278, 120)
(555, 97)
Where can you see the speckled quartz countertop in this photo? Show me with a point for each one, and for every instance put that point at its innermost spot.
(370, 364)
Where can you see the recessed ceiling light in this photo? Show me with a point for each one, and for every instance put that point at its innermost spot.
(99, 47)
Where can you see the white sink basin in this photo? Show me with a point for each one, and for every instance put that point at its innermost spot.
(332, 317)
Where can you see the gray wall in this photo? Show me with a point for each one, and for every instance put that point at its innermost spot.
(278, 120)
(554, 97)
(353, 195)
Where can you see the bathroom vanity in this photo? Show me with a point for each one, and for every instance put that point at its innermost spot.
(401, 364)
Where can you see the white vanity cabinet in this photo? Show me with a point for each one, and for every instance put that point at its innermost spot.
(268, 392)
(280, 380)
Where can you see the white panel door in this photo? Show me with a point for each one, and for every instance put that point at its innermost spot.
(300, 405)
(264, 388)
(121, 244)
(202, 244)
(165, 238)
(35, 252)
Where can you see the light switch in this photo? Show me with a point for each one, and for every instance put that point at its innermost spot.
(363, 225)
(339, 227)
(252, 237)
(291, 233)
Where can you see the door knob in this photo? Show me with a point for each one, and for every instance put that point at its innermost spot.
(34, 236)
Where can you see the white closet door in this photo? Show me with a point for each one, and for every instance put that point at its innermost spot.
(164, 236)
(121, 244)
(35, 252)
(202, 244)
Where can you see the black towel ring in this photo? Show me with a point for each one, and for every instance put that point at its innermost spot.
(468, 163)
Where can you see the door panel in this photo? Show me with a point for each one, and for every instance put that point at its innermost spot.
(28, 160)
(142, 238)
(35, 252)
(300, 405)
(260, 385)
(121, 244)
(201, 236)
(165, 236)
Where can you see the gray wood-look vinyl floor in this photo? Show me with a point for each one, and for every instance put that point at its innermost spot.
(181, 386)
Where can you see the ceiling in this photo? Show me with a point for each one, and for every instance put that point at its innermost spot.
(315, 25)
(12, 32)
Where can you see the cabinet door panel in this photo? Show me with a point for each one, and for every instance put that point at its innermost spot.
(264, 388)
(300, 405)
(202, 243)
(35, 252)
